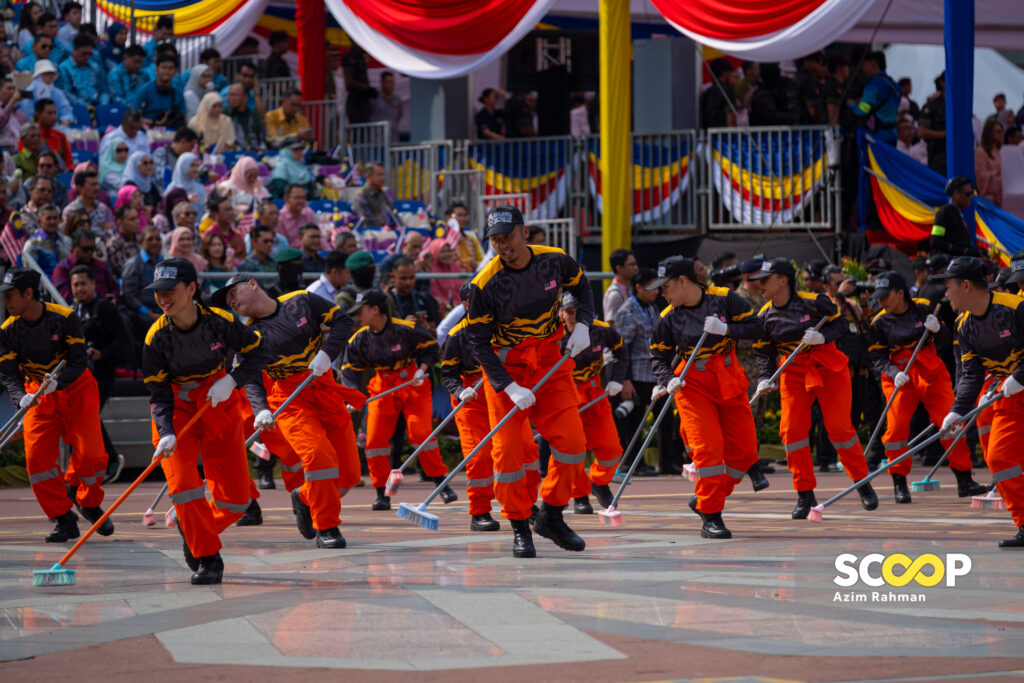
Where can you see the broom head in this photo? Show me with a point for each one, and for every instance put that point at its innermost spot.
(417, 515)
(394, 482)
(612, 517)
(54, 576)
(171, 518)
(814, 514)
(149, 518)
(925, 485)
(690, 471)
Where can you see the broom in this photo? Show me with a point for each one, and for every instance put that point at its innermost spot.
(149, 517)
(929, 484)
(392, 390)
(815, 514)
(799, 347)
(252, 439)
(57, 575)
(611, 515)
(13, 426)
(591, 404)
(396, 477)
(418, 514)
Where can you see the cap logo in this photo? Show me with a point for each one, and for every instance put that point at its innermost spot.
(500, 217)
(165, 273)
(9, 278)
(766, 267)
(359, 297)
(1016, 266)
(882, 283)
(661, 271)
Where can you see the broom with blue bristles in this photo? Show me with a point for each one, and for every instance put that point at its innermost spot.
(418, 514)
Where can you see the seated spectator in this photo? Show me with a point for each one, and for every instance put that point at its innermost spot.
(211, 57)
(244, 185)
(186, 176)
(43, 88)
(287, 120)
(274, 65)
(31, 143)
(249, 132)
(908, 142)
(214, 128)
(138, 173)
(222, 213)
(130, 131)
(261, 244)
(161, 104)
(129, 195)
(40, 193)
(27, 22)
(80, 79)
(75, 221)
(444, 260)
(988, 162)
(55, 141)
(73, 191)
(215, 251)
(5, 208)
(124, 244)
(162, 32)
(412, 249)
(113, 50)
(346, 243)
(270, 216)
(42, 48)
(47, 27)
(112, 165)
(167, 216)
(291, 170)
(372, 204)
(71, 12)
(468, 248)
(83, 252)
(245, 75)
(7, 58)
(47, 245)
(11, 117)
(335, 277)
(183, 245)
(138, 274)
(88, 186)
(410, 304)
(311, 240)
(125, 79)
(294, 215)
(165, 157)
(47, 166)
(196, 87)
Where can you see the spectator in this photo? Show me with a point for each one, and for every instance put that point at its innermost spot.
(83, 81)
(124, 244)
(287, 121)
(988, 162)
(112, 165)
(836, 90)
(212, 59)
(387, 106)
(113, 50)
(182, 245)
(75, 221)
(880, 102)
(346, 243)
(932, 126)
(811, 89)
(138, 274)
(274, 65)
(11, 118)
(222, 213)
(26, 29)
(249, 132)
(261, 244)
(166, 157)
(161, 104)
(214, 249)
(357, 85)
(1003, 115)
(951, 233)
(411, 248)
(295, 214)
(162, 32)
(5, 208)
(311, 240)
(73, 191)
(7, 61)
(138, 172)
(717, 102)
(623, 264)
(245, 75)
(40, 193)
(88, 186)
(519, 117)
(270, 216)
(47, 27)
(372, 205)
(536, 235)
(214, 128)
(43, 88)
(163, 217)
(42, 48)
(31, 143)
(490, 121)
(444, 260)
(198, 86)
(244, 185)
(129, 195)
(83, 252)
(130, 131)
(186, 176)
(468, 248)
(908, 142)
(335, 277)
(47, 246)
(125, 79)
(410, 304)
(579, 118)
(47, 166)
(907, 87)
(291, 170)
(744, 88)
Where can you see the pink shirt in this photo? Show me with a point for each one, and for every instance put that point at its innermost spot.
(288, 225)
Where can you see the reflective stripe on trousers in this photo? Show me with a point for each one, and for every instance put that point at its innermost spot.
(567, 458)
(43, 476)
(233, 507)
(378, 452)
(479, 483)
(1008, 473)
(509, 477)
(796, 445)
(320, 475)
(182, 497)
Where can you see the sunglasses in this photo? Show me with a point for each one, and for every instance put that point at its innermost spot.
(121, 150)
(146, 162)
(87, 250)
(83, 224)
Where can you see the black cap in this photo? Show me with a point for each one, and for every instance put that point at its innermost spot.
(775, 266)
(371, 297)
(751, 265)
(568, 301)
(1016, 268)
(170, 272)
(671, 268)
(220, 297)
(888, 281)
(937, 263)
(964, 268)
(20, 278)
(878, 265)
(1001, 278)
(501, 220)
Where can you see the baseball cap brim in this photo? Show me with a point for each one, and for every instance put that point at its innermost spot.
(656, 282)
(761, 275)
(6, 286)
(163, 285)
(1014, 278)
(941, 277)
(500, 229)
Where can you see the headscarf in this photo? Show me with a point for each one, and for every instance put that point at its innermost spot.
(448, 289)
(132, 175)
(124, 198)
(290, 170)
(190, 185)
(109, 165)
(111, 51)
(175, 251)
(192, 85)
(237, 182)
(212, 132)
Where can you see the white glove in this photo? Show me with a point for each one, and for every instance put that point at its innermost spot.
(320, 364)
(1011, 386)
(613, 388)
(221, 390)
(579, 340)
(900, 379)
(607, 357)
(952, 423)
(165, 446)
(657, 392)
(713, 325)
(765, 386)
(813, 338)
(521, 396)
(675, 384)
(49, 387)
(931, 323)
(467, 394)
(26, 400)
(418, 378)
(263, 420)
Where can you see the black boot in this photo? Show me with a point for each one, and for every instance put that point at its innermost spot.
(868, 499)
(603, 492)
(693, 506)
(330, 538)
(533, 513)
(757, 477)
(253, 516)
(966, 486)
(303, 516)
(1015, 542)
(899, 485)
(484, 522)
(383, 502)
(804, 502)
(447, 495)
(94, 513)
(552, 526)
(66, 529)
(581, 506)
(714, 527)
(190, 559)
(265, 473)
(210, 570)
(113, 471)
(522, 539)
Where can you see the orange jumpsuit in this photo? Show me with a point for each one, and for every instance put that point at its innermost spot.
(179, 367)
(276, 443)
(714, 411)
(818, 373)
(71, 412)
(394, 354)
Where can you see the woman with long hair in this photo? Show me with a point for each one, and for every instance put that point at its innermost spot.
(26, 30)
(988, 162)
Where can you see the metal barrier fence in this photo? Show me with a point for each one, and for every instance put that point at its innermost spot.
(369, 142)
(327, 117)
(412, 168)
(189, 47)
(272, 90)
(561, 233)
(464, 186)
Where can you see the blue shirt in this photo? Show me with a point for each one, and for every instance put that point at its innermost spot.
(154, 101)
(250, 102)
(83, 84)
(58, 54)
(121, 85)
(881, 98)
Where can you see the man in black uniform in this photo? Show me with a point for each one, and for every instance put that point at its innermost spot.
(951, 234)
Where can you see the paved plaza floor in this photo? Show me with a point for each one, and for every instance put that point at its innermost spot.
(647, 601)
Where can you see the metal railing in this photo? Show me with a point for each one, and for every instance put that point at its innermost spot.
(272, 90)
(327, 119)
(465, 186)
(412, 170)
(561, 233)
(369, 142)
(141, 26)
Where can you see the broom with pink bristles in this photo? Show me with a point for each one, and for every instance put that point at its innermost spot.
(149, 518)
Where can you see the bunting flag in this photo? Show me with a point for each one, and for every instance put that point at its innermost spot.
(539, 170)
(661, 175)
(13, 239)
(766, 179)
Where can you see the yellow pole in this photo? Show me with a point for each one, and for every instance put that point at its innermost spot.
(614, 91)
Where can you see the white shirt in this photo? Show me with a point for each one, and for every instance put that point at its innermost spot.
(323, 288)
(579, 122)
(918, 151)
(451, 320)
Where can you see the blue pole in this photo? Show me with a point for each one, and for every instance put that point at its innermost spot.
(959, 39)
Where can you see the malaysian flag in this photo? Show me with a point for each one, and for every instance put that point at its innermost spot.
(12, 239)
(454, 233)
